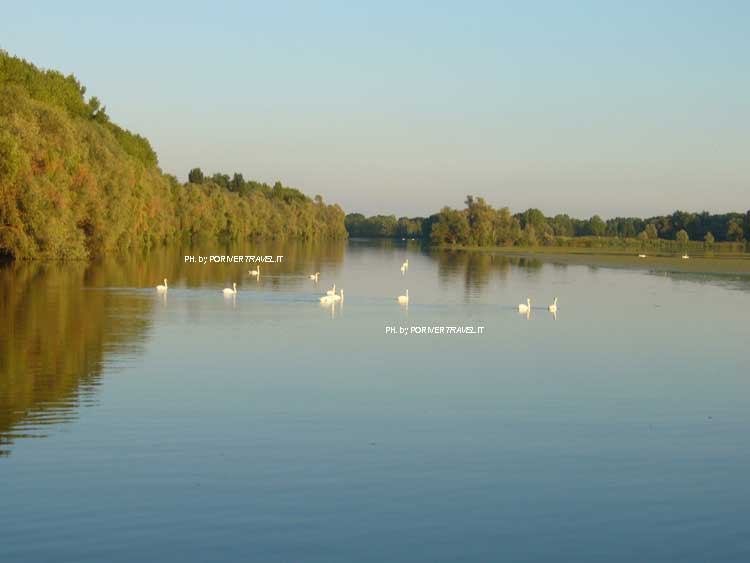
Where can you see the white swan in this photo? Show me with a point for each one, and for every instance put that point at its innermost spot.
(332, 298)
(230, 290)
(314, 276)
(164, 287)
(406, 264)
(525, 308)
(255, 272)
(332, 291)
(403, 269)
(553, 308)
(685, 256)
(641, 256)
(403, 299)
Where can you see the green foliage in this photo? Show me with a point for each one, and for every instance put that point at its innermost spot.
(133, 144)
(384, 226)
(735, 231)
(73, 184)
(452, 227)
(596, 227)
(195, 176)
(65, 92)
(409, 228)
(533, 218)
(682, 238)
(562, 226)
(479, 224)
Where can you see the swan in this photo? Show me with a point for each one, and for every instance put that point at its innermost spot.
(332, 291)
(553, 308)
(641, 256)
(230, 291)
(525, 308)
(405, 265)
(685, 256)
(255, 272)
(403, 269)
(162, 287)
(314, 276)
(332, 298)
(403, 299)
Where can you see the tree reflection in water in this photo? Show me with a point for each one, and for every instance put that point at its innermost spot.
(62, 324)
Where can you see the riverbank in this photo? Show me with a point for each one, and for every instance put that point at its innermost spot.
(733, 264)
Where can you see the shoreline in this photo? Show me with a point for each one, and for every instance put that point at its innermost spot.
(729, 264)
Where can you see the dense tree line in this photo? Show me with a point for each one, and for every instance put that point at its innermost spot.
(73, 184)
(479, 224)
(384, 226)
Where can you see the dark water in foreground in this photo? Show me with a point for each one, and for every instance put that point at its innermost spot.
(195, 427)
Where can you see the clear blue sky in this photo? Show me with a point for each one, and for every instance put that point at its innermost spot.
(620, 108)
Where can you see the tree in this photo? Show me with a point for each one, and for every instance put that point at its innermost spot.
(734, 231)
(195, 176)
(651, 232)
(237, 182)
(221, 180)
(505, 226)
(451, 227)
(682, 239)
(563, 226)
(643, 238)
(709, 240)
(480, 216)
(533, 217)
(596, 226)
(73, 184)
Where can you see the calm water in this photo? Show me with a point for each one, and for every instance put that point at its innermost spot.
(268, 428)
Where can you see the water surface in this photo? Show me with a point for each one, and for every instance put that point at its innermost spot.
(193, 427)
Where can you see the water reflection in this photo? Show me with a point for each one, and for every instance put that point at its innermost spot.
(477, 269)
(334, 307)
(299, 258)
(63, 323)
(55, 340)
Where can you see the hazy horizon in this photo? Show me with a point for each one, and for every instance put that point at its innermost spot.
(582, 109)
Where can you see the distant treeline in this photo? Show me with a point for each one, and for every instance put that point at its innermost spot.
(73, 184)
(479, 224)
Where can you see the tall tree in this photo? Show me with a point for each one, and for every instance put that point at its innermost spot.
(682, 239)
(597, 227)
(734, 231)
(195, 176)
(237, 182)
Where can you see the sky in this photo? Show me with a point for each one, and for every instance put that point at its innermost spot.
(615, 108)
